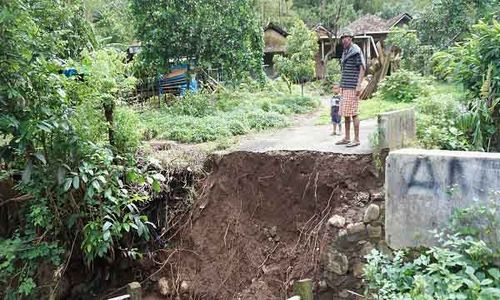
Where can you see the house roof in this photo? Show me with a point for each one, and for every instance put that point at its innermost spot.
(371, 23)
(276, 28)
(397, 19)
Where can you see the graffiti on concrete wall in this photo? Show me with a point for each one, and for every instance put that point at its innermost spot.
(469, 178)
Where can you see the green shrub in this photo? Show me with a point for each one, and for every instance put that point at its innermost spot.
(299, 105)
(463, 266)
(227, 100)
(437, 117)
(259, 119)
(402, 86)
(205, 117)
(129, 130)
(193, 104)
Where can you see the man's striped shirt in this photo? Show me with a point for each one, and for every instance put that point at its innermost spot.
(350, 71)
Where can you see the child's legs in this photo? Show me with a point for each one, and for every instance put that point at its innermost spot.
(332, 118)
(336, 118)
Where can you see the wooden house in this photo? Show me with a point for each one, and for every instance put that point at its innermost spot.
(274, 44)
(368, 31)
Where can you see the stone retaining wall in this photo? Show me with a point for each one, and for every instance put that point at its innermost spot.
(354, 234)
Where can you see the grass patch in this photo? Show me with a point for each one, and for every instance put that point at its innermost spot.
(205, 117)
(372, 107)
(368, 109)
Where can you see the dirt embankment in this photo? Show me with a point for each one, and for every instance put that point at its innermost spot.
(260, 223)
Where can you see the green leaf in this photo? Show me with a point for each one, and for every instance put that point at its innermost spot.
(156, 186)
(106, 236)
(495, 273)
(67, 184)
(41, 157)
(106, 226)
(96, 185)
(486, 282)
(76, 182)
(102, 179)
(61, 172)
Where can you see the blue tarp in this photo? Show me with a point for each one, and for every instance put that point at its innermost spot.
(181, 81)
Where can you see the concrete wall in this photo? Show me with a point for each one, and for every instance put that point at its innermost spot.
(423, 187)
(397, 129)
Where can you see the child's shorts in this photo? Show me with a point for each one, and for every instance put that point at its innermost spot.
(334, 113)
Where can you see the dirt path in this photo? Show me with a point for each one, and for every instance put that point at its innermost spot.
(305, 135)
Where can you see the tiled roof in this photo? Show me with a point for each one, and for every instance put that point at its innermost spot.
(372, 23)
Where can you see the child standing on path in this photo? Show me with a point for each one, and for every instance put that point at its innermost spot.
(334, 111)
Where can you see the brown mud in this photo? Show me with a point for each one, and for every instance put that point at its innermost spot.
(260, 222)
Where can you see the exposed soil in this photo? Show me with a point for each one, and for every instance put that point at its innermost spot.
(260, 223)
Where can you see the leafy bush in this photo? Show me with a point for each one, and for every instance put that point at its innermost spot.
(402, 86)
(461, 267)
(469, 61)
(437, 116)
(206, 117)
(298, 104)
(79, 189)
(415, 56)
(193, 104)
(474, 63)
(298, 65)
(129, 130)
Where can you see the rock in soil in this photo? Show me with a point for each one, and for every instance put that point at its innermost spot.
(337, 221)
(337, 262)
(357, 270)
(367, 249)
(374, 231)
(164, 287)
(371, 213)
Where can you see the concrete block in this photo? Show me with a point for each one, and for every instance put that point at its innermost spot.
(397, 129)
(424, 187)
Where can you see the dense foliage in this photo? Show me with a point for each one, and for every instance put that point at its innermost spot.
(78, 197)
(203, 117)
(414, 55)
(443, 22)
(402, 86)
(474, 63)
(112, 21)
(298, 65)
(462, 266)
(437, 118)
(224, 34)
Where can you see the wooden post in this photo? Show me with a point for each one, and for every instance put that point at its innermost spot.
(134, 290)
(304, 289)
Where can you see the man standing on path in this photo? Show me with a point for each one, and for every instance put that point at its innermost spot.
(353, 70)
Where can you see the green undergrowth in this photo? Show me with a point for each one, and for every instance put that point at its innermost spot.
(368, 109)
(204, 117)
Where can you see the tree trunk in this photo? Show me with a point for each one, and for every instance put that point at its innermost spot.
(304, 289)
(108, 114)
(302, 89)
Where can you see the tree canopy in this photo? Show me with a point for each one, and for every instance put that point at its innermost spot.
(223, 34)
(298, 65)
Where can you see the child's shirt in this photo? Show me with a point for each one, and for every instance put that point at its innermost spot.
(335, 100)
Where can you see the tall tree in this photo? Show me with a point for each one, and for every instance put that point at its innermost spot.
(298, 65)
(218, 33)
(112, 21)
(444, 22)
